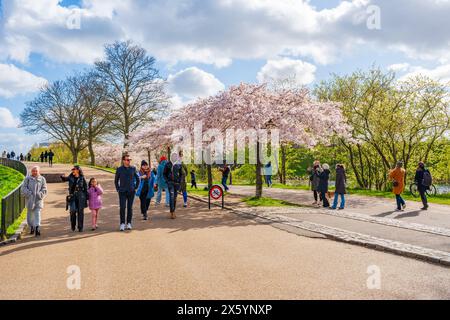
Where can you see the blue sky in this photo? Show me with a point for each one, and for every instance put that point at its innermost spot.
(205, 46)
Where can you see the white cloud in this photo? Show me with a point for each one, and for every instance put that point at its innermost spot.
(217, 32)
(399, 67)
(440, 73)
(301, 72)
(193, 83)
(15, 81)
(7, 120)
(17, 142)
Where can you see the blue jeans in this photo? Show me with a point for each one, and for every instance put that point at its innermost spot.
(159, 195)
(185, 197)
(335, 201)
(400, 201)
(126, 200)
(34, 218)
(173, 192)
(224, 183)
(269, 180)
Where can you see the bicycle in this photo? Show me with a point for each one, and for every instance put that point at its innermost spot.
(431, 192)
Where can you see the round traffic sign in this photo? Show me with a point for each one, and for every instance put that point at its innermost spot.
(216, 192)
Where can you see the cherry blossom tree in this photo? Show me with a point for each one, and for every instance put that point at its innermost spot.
(298, 118)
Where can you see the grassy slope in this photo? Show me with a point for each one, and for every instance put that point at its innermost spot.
(9, 180)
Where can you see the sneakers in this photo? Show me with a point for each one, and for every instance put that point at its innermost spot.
(32, 230)
(185, 205)
(129, 227)
(424, 208)
(404, 206)
(122, 227)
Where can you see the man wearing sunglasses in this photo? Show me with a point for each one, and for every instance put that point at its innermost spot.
(127, 182)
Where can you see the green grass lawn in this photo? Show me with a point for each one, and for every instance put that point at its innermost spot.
(111, 170)
(439, 199)
(267, 202)
(9, 180)
(13, 228)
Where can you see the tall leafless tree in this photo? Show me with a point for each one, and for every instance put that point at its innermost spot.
(58, 112)
(95, 108)
(135, 89)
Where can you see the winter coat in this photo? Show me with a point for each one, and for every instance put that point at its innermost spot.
(78, 192)
(323, 183)
(398, 174)
(127, 179)
(151, 185)
(418, 178)
(173, 173)
(34, 190)
(95, 197)
(341, 180)
(315, 179)
(160, 175)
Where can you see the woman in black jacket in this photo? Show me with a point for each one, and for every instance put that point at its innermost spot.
(77, 199)
(323, 184)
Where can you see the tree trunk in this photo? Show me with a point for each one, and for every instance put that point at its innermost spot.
(259, 182)
(91, 152)
(283, 165)
(210, 179)
(74, 156)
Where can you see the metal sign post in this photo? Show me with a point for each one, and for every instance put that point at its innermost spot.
(216, 192)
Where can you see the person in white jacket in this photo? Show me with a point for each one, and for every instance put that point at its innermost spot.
(34, 189)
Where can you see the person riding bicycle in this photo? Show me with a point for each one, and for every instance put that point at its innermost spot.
(423, 180)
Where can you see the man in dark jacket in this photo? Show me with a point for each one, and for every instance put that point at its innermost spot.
(126, 182)
(172, 175)
(50, 158)
(341, 180)
(421, 183)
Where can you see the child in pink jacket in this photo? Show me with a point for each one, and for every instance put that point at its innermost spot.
(95, 192)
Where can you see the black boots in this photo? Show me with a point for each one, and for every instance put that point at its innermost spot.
(37, 231)
(31, 230)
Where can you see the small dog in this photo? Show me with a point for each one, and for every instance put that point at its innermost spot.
(330, 195)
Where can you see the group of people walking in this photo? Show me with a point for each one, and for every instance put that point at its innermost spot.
(422, 179)
(170, 177)
(12, 155)
(47, 157)
(320, 176)
(319, 180)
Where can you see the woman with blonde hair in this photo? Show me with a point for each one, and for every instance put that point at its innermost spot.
(34, 189)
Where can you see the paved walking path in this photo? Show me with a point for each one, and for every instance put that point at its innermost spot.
(371, 216)
(201, 255)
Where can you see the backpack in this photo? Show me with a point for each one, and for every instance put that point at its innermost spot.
(177, 173)
(427, 180)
